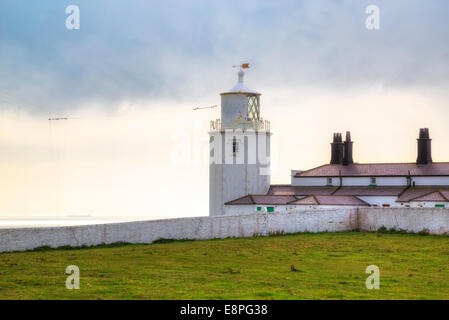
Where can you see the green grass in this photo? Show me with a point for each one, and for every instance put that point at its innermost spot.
(326, 266)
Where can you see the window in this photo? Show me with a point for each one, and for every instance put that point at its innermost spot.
(329, 181)
(253, 108)
(235, 146)
(372, 181)
(439, 206)
(270, 209)
(259, 208)
(386, 205)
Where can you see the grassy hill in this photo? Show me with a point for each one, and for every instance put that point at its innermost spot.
(299, 266)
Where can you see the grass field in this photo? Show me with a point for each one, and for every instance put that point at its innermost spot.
(326, 266)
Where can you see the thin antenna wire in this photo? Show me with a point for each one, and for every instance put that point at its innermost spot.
(201, 108)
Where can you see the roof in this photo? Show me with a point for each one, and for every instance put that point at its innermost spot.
(240, 87)
(425, 194)
(331, 200)
(263, 199)
(309, 200)
(370, 191)
(343, 191)
(434, 196)
(377, 169)
(300, 191)
(291, 200)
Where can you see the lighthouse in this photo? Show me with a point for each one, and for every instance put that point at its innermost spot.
(239, 148)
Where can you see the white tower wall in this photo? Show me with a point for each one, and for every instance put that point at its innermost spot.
(240, 149)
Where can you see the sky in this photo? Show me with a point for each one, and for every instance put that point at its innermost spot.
(128, 80)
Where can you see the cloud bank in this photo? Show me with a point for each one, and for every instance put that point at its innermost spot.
(143, 50)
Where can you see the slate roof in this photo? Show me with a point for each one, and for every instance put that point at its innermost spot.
(309, 200)
(263, 199)
(369, 191)
(434, 196)
(377, 170)
(300, 191)
(330, 200)
(424, 194)
(343, 191)
(291, 200)
(296, 195)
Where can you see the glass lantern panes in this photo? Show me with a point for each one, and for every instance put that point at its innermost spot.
(253, 108)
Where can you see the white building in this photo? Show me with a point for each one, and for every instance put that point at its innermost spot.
(240, 148)
(245, 188)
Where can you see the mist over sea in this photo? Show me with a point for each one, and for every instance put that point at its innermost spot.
(38, 222)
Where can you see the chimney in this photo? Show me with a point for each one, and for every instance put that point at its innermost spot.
(347, 154)
(424, 147)
(337, 149)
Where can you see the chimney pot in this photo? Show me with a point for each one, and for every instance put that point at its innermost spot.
(347, 150)
(337, 149)
(424, 147)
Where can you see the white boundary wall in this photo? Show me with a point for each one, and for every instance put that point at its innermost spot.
(198, 228)
(433, 220)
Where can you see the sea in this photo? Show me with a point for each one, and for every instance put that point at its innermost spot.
(44, 222)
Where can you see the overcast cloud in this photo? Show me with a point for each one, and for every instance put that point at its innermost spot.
(142, 50)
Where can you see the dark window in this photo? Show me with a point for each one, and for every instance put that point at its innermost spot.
(372, 180)
(329, 180)
(235, 146)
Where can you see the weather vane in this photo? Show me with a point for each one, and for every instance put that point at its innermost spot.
(242, 66)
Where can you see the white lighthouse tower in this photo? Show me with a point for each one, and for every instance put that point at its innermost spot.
(240, 148)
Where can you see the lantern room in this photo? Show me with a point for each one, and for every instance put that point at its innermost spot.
(240, 106)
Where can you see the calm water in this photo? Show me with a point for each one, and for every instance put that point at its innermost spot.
(23, 222)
